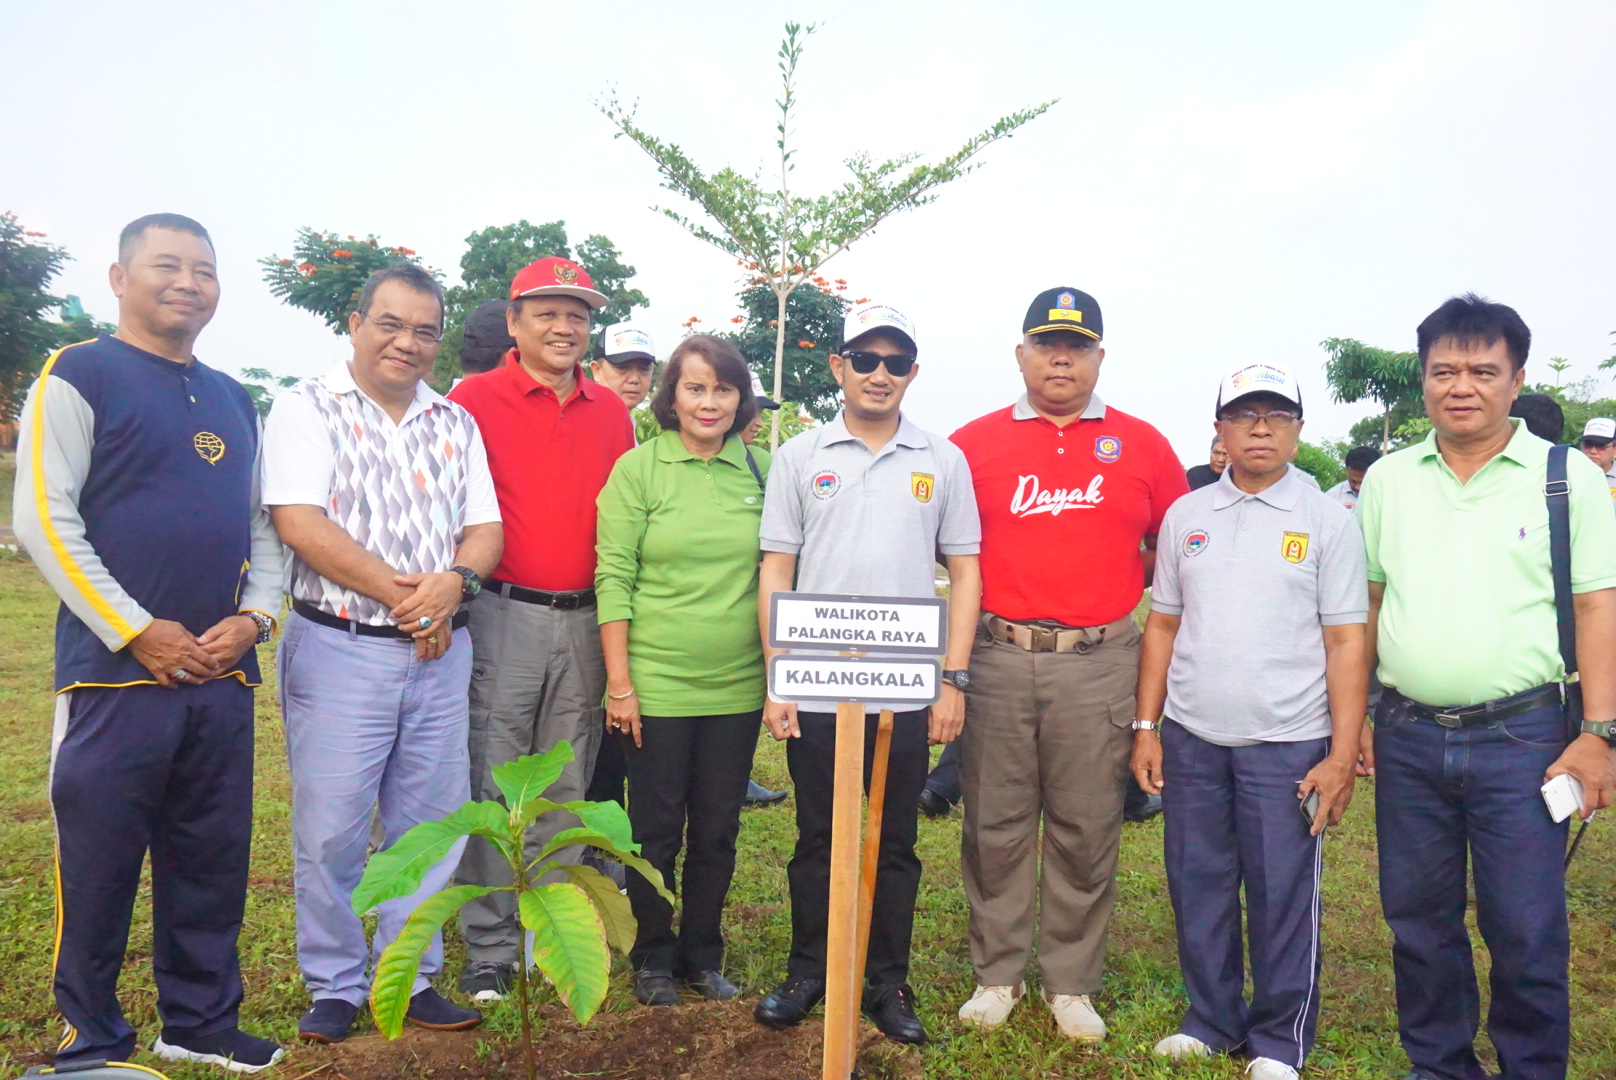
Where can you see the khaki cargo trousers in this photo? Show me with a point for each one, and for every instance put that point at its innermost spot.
(1047, 739)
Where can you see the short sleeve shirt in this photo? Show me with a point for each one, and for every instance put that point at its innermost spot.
(405, 492)
(1468, 613)
(865, 522)
(1268, 571)
(1064, 510)
(1343, 494)
(549, 459)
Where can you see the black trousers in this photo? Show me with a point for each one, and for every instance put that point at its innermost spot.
(812, 761)
(138, 768)
(686, 784)
(611, 770)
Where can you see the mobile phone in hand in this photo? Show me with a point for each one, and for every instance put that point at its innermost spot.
(1310, 807)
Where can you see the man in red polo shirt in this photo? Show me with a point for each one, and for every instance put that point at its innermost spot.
(1071, 493)
(537, 676)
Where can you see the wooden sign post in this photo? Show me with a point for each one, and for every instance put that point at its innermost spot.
(852, 650)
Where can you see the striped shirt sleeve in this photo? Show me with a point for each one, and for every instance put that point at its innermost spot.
(53, 459)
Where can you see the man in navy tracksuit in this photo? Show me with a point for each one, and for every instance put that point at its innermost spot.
(137, 497)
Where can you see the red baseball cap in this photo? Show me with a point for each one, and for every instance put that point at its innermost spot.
(555, 276)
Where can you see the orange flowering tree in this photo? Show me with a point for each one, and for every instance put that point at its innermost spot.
(785, 237)
(326, 273)
(815, 313)
(28, 265)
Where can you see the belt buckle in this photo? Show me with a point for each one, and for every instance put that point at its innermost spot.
(1448, 720)
(1044, 639)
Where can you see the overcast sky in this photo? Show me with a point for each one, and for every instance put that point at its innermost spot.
(1231, 181)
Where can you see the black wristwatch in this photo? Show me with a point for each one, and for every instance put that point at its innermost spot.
(959, 679)
(1602, 728)
(472, 585)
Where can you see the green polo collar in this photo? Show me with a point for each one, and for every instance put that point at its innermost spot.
(1523, 447)
(670, 448)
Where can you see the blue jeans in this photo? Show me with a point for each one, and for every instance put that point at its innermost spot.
(1441, 794)
(367, 725)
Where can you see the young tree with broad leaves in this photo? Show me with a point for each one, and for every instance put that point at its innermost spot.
(785, 237)
(1356, 371)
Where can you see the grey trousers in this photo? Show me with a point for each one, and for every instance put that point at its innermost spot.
(1047, 739)
(537, 679)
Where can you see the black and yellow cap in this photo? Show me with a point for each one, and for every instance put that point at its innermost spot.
(1064, 309)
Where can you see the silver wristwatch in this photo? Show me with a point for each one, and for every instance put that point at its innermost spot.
(1143, 725)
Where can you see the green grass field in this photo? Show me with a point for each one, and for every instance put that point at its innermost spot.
(1141, 1001)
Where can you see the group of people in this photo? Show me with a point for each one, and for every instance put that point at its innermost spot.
(481, 576)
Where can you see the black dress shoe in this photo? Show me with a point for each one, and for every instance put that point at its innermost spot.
(891, 1008)
(430, 1009)
(933, 804)
(712, 985)
(655, 988)
(758, 795)
(1148, 808)
(790, 1003)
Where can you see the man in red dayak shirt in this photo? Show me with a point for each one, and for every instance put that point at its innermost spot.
(1071, 494)
(537, 676)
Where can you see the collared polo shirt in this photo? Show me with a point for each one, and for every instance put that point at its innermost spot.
(1254, 580)
(1610, 480)
(549, 459)
(1064, 510)
(1343, 494)
(677, 556)
(865, 522)
(405, 492)
(1468, 614)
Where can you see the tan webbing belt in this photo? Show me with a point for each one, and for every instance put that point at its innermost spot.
(1038, 637)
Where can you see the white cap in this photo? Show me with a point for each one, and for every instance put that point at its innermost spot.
(1600, 427)
(763, 399)
(1258, 377)
(623, 342)
(866, 317)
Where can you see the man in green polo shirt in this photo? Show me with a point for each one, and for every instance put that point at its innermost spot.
(1461, 607)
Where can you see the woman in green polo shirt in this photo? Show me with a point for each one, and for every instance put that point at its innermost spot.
(677, 580)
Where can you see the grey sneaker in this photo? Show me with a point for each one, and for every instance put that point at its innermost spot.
(486, 981)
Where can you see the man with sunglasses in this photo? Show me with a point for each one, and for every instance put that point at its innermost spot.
(538, 676)
(1071, 493)
(862, 505)
(1599, 444)
(381, 489)
(1250, 780)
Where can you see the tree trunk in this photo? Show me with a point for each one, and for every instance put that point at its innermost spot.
(1386, 431)
(779, 367)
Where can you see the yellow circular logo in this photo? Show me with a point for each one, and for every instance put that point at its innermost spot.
(209, 446)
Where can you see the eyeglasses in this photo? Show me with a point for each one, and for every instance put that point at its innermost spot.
(1246, 419)
(426, 335)
(865, 363)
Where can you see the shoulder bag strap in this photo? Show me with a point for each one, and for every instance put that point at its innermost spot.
(751, 463)
(1557, 493)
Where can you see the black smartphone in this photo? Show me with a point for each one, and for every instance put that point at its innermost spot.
(1310, 807)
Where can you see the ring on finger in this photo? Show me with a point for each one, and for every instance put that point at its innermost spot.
(181, 674)
(426, 621)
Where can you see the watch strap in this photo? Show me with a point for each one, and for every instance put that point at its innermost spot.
(1601, 728)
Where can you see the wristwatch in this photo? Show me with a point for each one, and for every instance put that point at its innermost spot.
(472, 584)
(959, 679)
(1602, 728)
(1143, 725)
(266, 626)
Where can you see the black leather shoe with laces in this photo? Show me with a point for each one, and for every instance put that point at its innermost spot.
(891, 1008)
(790, 1003)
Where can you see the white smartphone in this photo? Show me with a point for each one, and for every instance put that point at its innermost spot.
(1563, 796)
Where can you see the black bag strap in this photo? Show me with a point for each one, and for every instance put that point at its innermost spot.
(751, 463)
(1557, 492)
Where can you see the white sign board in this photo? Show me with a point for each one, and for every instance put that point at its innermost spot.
(908, 680)
(888, 625)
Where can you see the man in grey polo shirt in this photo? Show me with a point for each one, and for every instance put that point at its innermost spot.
(1252, 730)
(861, 505)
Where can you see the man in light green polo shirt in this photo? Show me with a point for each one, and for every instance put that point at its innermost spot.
(1462, 611)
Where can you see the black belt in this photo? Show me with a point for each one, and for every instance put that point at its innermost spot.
(561, 601)
(1487, 712)
(315, 615)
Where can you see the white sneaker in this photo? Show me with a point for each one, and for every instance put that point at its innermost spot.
(1183, 1046)
(1075, 1016)
(1269, 1069)
(990, 1006)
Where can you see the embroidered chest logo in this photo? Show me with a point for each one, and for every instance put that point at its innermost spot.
(1196, 542)
(1107, 448)
(1294, 546)
(208, 446)
(1031, 499)
(826, 484)
(921, 485)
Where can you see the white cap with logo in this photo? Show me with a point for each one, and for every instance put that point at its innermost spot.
(866, 317)
(1600, 427)
(764, 400)
(1258, 377)
(624, 342)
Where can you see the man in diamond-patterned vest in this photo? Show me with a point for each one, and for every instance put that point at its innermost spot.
(381, 489)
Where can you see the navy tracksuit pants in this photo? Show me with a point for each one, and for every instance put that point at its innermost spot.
(1231, 818)
(1445, 797)
(137, 768)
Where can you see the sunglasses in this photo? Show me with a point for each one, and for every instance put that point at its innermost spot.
(865, 363)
